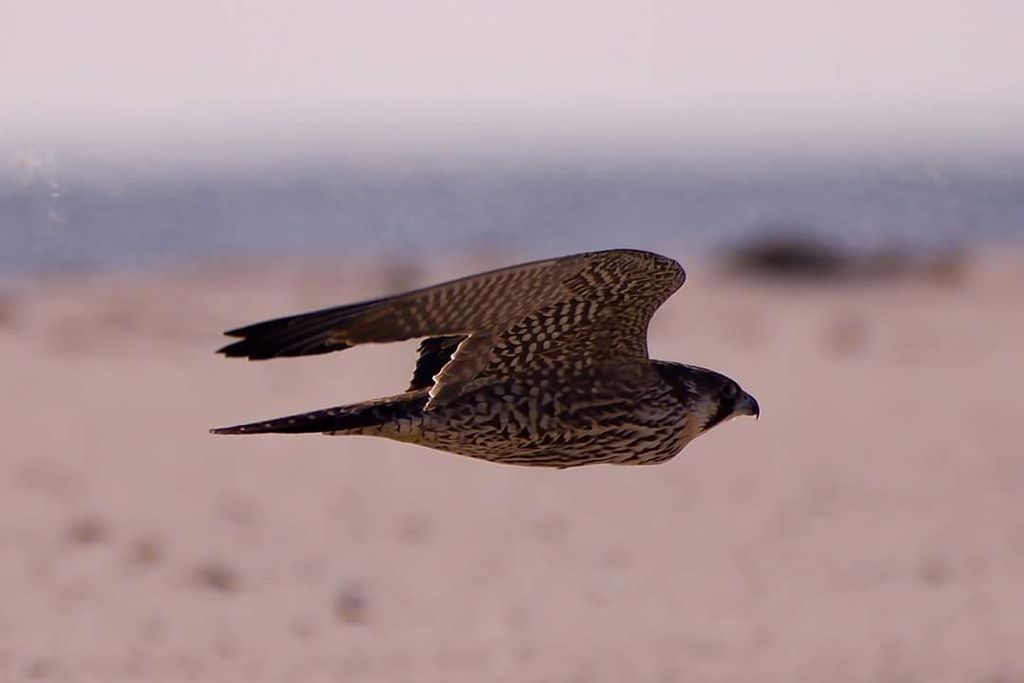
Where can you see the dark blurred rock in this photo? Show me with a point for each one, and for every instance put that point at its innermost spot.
(218, 577)
(350, 605)
(935, 571)
(789, 255)
(146, 551)
(87, 529)
(801, 256)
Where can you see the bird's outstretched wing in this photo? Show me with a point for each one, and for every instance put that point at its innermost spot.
(586, 306)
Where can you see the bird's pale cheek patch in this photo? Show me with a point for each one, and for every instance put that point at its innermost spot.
(699, 415)
(714, 414)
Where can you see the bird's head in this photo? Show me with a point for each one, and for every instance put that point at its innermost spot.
(710, 397)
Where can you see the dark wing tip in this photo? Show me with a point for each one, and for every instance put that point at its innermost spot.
(236, 350)
(301, 335)
(264, 327)
(257, 349)
(305, 334)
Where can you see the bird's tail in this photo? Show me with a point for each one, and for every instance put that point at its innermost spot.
(351, 419)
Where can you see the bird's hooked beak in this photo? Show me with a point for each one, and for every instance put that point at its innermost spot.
(747, 405)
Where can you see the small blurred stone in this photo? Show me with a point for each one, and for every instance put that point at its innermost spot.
(218, 577)
(788, 253)
(87, 529)
(934, 571)
(847, 336)
(147, 551)
(38, 669)
(414, 529)
(350, 605)
(303, 629)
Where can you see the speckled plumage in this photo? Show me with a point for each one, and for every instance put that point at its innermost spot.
(540, 364)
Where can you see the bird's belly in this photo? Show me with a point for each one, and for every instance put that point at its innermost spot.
(532, 431)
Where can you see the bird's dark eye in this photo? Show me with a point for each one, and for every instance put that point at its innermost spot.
(729, 391)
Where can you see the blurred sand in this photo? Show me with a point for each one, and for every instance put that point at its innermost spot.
(870, 527)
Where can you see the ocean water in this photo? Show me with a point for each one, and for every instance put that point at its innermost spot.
(94, 224)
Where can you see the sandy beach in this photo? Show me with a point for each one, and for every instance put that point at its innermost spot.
(869, 527)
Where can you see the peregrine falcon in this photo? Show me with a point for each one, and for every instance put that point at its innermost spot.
(541, 364)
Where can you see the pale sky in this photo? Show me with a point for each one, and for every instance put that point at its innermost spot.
(183, 76)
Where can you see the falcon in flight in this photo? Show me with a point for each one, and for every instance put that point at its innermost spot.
(541, 364)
